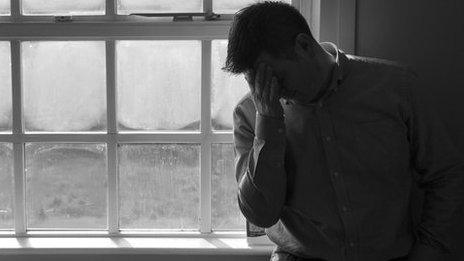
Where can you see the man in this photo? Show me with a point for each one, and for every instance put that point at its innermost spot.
(328, 147)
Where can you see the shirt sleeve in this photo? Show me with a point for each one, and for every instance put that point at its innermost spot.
(440, 169)
(259, 166)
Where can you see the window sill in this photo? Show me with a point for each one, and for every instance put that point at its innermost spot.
(165, 245)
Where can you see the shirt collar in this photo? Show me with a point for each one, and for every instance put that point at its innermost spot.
(338, 74)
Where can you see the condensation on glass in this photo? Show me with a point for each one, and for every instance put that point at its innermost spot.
(6, 186)
(5, 88)
(225, 213)
(5, 7)
(226, 90)
(159, 6)
(63, 7)
(64, 85)
(230, 7)
(159, 186)
(158, 85)
(66, 185)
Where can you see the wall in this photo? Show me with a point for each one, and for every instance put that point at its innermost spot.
(429, 35)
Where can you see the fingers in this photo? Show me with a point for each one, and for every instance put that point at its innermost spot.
(259, 79)
(275, 90)
(266, 87)
(249, 77)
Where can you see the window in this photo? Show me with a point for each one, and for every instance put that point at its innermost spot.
(111, 122)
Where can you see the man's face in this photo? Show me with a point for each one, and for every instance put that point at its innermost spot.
(297, 75)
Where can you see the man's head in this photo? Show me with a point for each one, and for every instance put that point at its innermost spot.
(275, 33)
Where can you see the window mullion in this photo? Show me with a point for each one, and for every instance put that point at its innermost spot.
(207, 6)
(15, 6)
(18, 145)
(111, 6)
(205, 164)
(112, 160)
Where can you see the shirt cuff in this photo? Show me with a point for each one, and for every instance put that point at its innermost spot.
(270, 128)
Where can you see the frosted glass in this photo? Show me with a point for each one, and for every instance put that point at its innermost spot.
(5, 87)
(66, 185)
(230, 7)
(227, 89)
(64, 86)
(159, 6)
(159, 186)
(6, 186)
(159, 85)
(225, 214)
(5, 7)
(63, 7)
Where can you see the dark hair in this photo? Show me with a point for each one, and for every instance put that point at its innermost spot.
(265, 26)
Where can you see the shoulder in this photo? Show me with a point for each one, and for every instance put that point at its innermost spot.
(381, 67)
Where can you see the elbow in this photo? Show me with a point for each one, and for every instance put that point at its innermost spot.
(260, 214)
(266, 222)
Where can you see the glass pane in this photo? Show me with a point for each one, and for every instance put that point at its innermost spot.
(159, 186)
(66, 185)
(225, 213)
(230, 7)
(4, 7)
(159, 85)
(6, 186)
(159, 6)
(227, 89)
(64, 86)
(63, 7)
(5, 87)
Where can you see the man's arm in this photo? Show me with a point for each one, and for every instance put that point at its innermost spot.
(259, 166)
(441, 174)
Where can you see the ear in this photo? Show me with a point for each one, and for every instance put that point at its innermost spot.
(304, 45)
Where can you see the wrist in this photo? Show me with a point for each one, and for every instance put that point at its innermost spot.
(270, 127)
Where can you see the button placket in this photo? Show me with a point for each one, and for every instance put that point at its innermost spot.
(330, 147)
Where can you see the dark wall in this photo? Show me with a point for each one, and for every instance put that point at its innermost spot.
(428, 35)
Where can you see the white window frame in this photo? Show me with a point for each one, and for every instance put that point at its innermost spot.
(109, 28)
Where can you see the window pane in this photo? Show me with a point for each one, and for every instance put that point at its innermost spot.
(159, 85)
(6, 186)
(63, 7)
(64, 86)
(5, 87)
(159, 186)
(66, 185)
(230, 7)
(227, 89)
(4, 7)
(225, 211)
(159, 6)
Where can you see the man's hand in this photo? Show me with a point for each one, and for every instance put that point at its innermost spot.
(265, 91)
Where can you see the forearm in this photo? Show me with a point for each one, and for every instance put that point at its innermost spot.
(262, 183)
(442, 204)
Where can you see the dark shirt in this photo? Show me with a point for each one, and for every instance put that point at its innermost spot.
(333, 179)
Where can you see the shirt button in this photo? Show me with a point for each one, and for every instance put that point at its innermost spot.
(280, 130)
(328, 138)
(344, 208)
(351, 244)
